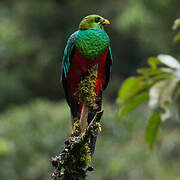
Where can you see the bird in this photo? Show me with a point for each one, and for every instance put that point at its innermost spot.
(86, 47)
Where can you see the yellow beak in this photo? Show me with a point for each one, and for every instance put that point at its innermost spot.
(106, 21)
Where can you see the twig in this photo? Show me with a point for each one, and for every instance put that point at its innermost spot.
(83, 119)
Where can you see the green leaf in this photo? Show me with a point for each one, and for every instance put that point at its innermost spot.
(164, 76)
(127, 85)
(150, 71)
(130, 88)
(169, 61)
(176, 24)
(152, 128)
(177, 37)
(153, 62)
(135, 101)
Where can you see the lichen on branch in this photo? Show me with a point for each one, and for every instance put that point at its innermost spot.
(85, 90)
(73, 162)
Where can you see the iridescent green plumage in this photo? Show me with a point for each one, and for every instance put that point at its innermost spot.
(91, 40)
(92, 43)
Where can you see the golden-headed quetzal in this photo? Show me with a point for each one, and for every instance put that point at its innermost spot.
(88, 46)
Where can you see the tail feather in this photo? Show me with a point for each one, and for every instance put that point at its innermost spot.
(91, 115)
(75, 109)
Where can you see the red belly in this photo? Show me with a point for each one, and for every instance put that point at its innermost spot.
(79, 66)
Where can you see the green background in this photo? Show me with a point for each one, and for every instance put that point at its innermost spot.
(35, 119)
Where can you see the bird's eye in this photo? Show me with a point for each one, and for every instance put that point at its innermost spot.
(97, 19)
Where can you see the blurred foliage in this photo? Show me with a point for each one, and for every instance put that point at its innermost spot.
(30, 135)
(33, 35)
(159, 84)
(175, 27)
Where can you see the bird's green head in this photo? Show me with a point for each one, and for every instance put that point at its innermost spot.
(93, 22)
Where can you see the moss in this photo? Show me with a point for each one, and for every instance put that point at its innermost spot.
(85, 90)
(80, 157)
(98, 127)
(76, 129)
(85, 156)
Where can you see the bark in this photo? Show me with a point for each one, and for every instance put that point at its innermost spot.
(83, 119)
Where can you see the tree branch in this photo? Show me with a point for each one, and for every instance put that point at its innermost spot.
(72, 162)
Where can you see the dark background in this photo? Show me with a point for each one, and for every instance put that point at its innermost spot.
(34, 118)
(33, 35)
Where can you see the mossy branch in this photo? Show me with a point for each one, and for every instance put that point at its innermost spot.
(73, 162)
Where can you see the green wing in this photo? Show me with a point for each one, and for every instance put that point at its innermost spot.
(67, 54)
